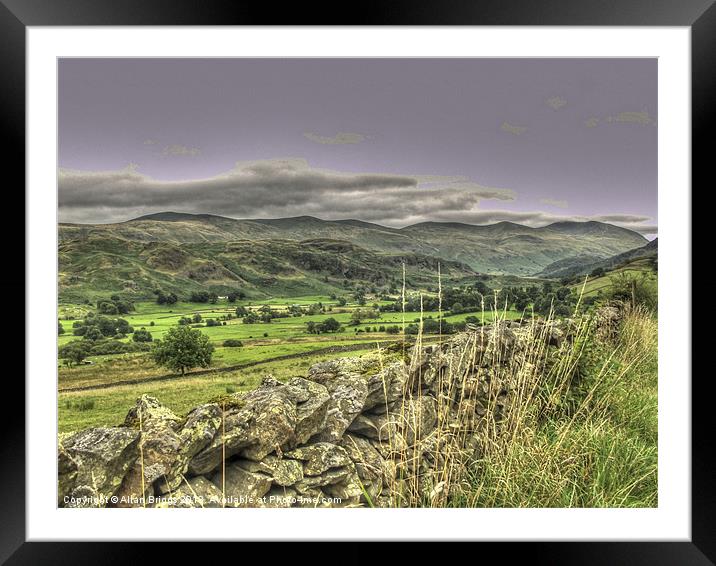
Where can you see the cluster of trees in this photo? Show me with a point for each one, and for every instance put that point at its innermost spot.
(233, 296)
(203, 297)
(362, 314)
(165, 298)
(328, 325)
(96, 327)
(75, 352)
(114, 305)
(548, 297)
(181, 349)
(188, 320)
(264, 314)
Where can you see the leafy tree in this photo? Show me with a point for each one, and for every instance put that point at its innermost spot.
(212, 322)
(200, 297)
(60, 328)
(164, 298)
(234, 295)
(183, 348)
(342, 301)
(233, 343)
(597, 272)
(107, 307)
(93, 333)
(330, 325)
(393, 329)
(241, 312)
(115, 305)
(142, 335)
(196, 318)
(74, 352)
(251, 318)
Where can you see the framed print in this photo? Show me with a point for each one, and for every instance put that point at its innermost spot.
(420, 279)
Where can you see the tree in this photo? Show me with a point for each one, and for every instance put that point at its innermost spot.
(107, 307)
(60, 328)
(330, 325)
(233, 295)
(93, 333)
(200, 297)
(142, 335)
(457, 308)
(183, 348)
(74, 352)
(232, 343)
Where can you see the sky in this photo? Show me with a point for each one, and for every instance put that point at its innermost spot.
(390, 141)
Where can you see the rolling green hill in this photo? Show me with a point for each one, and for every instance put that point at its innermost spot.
(100, 264)
(584, 264)
(502, 248)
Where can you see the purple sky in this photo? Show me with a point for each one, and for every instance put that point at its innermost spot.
(393, 141)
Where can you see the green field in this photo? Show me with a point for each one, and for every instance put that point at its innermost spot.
(282, 348)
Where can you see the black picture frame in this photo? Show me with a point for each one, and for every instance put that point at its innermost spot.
(17, 15)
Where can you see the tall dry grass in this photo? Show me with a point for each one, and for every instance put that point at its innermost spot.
(577, 428)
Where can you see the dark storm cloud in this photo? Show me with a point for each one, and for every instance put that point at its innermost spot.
(290, 187)
(277, 187)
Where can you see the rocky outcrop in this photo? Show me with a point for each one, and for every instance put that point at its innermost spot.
(371, 431)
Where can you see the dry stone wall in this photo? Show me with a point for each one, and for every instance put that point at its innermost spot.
(353, 432)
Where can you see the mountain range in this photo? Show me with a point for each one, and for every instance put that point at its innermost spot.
(173, 250)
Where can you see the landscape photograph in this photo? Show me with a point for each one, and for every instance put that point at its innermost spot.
(373, 283)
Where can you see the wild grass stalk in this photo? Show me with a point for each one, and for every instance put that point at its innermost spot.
(565, 426)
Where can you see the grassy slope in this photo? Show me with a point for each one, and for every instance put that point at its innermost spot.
(107, 407)
(595, 448)
(595, 285)
(102, 264)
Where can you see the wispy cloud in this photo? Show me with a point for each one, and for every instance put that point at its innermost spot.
(177, 149)
(591, 122)
(150, 142)
(556, 102)
(341, 138)
(632, 117)
(554, 202)
(512, 129)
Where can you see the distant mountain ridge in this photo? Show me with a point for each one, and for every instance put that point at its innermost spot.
(500, 248)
